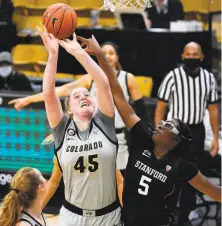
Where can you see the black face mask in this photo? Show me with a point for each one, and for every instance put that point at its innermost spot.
(192, 63)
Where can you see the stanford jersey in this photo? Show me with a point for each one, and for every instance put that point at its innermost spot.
(150, 182)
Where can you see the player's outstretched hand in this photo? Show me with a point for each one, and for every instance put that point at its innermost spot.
(49, 41)
(92, 47)
(19, 103)
(71, 46)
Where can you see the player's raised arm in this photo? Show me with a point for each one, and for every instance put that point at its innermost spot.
(104, 95)
(52, 103)
(204, 185)
(126, 111)
(61, 91)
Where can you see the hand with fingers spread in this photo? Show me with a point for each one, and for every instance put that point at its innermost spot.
(92, 46)
(19, 103)
(71, 46)
(49, 41)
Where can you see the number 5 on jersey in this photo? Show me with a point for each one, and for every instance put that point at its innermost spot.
(92, 166)
(144, 184)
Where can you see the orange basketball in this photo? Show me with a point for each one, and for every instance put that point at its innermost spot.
(60, 20)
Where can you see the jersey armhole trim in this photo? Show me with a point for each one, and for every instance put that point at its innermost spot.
(32, 218)
(127, 85)
(114, 142)
(43, 217)
(58, 161)
(67, 125)
(22, 219)
(58, 148)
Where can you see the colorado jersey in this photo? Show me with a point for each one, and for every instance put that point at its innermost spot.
(149, 182)
(31, 220)
(88, 161)
(122, 79)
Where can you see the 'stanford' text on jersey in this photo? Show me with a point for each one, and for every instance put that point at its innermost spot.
(149, 182)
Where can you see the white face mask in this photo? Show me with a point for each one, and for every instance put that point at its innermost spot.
(5, 71)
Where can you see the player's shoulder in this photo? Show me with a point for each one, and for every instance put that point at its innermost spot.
(141, 130)
(131, 79)
(174, 72)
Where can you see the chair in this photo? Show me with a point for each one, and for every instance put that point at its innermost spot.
(86, 4)
(59, 76)
(29, 53)
(29, 57)
(26, 25)
(24, 3)
(64, 76)
(43, 4)
(76, 77)
(30, 73)
(145, 85)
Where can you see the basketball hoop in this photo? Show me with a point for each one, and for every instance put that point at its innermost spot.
(112, 5)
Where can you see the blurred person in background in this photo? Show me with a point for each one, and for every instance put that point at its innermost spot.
(130, 89)
(190, 90)
(7, 27)
(6, 11)
(163, 12)
(10, 79)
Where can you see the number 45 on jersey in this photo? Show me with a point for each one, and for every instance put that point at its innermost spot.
(82, 164)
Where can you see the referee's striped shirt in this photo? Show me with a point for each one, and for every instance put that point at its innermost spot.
(188, 96)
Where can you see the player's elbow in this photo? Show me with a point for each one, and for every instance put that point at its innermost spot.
(49, 95)
(216, 194)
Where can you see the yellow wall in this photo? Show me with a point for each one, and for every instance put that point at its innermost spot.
(201, 5)
(86, 4)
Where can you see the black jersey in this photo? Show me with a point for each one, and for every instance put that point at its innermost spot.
(149, 182)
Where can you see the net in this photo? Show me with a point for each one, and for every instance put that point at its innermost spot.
(121, 4)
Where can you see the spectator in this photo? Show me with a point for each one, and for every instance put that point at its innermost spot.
(165, 11)
(10, 79)
(6, 11)
(190, 90)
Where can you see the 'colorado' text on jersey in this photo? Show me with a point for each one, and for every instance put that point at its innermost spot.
(88, 162)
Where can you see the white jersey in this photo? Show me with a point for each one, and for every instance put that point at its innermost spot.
(123, 81)
(31, 220)
(88, 161)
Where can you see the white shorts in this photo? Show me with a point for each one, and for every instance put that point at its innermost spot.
(68, 218)
(123, 154)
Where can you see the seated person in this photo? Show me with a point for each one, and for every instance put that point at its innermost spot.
(6, 11)
(163, 12)
(11, 79)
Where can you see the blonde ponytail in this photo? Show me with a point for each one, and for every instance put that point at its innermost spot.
(11, 209)
(24, 190)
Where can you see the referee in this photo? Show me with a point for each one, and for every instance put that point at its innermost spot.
(189, 90)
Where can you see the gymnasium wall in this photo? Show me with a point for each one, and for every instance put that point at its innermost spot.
(203, 6)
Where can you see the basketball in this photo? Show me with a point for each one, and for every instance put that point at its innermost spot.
(60, 20)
